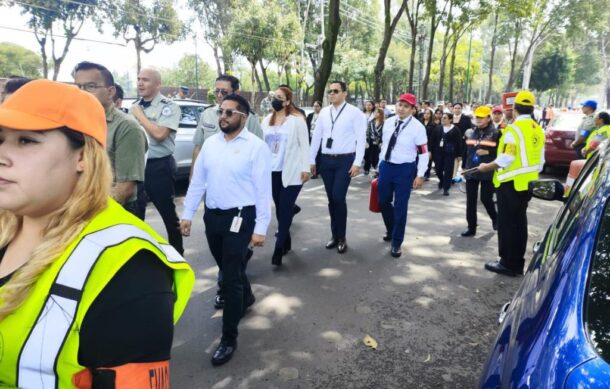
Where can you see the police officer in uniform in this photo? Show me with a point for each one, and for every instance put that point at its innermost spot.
(520, 159)
(404, 160)
(208, 123)
(160, 118)
(234, 173)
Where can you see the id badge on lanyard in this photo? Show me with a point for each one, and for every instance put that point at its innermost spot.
(236, 224)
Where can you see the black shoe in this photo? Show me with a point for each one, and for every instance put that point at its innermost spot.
(331, 244)
(387, 237)
(494, 225)
(395, 252)
(276, 259)
(341, 246)
(446, 193)
(219, 302)
(296, 209)
(497, 267)
(224, 353)
(287, 245)
(469, 232)
(366, 172)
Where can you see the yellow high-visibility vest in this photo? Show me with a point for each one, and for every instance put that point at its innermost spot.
(39, 342)
(529, 138)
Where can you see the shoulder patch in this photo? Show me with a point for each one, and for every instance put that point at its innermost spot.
(167, 110)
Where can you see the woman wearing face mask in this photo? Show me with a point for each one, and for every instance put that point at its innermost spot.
(286, 135)
(89, 294)
(447, 140)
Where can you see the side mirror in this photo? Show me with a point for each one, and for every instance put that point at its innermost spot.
(549, 190)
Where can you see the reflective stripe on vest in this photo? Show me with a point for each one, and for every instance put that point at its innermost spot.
(525, 168)
(45, 341)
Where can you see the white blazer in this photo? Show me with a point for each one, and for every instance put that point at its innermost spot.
(296, 160)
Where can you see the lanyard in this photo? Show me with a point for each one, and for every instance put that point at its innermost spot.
(334, 120)
(398, 129)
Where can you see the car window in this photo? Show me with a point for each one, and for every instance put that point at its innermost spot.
(597, 309)
(583, 189)
(190, 115)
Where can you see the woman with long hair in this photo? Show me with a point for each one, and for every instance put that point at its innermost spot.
(286, 135)
(89, 293)
(430, 124)
(373, 142)
(369, 110)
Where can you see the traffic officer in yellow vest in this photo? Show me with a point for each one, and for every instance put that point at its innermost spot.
(520, 159)
(160, 118)
(89, 293)
(602, 122)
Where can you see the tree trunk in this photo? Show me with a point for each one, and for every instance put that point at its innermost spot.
(412, 58)
(444, 55)
(219, 70)
(452, 67)
(256, 77)
(388, 31)
(492, 58)
(426, 81)
(287, 67)
(513, 61)
(330, 42)
(265, 77)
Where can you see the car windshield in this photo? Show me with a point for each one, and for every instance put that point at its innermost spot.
(190, 115)
(598, 298)
(566, 122)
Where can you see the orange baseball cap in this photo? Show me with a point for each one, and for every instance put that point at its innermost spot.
(42, 105)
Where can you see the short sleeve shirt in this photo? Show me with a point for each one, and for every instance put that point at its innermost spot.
(165, 113)
(587, 126)
(126, 146)
(413, 134)
(208, 125)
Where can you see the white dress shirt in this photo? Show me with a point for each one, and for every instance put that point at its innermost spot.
(504, 160)
(413, 134)
(348, 133)
(232, 174)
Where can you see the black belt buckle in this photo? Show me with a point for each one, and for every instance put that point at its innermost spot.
(329, 143)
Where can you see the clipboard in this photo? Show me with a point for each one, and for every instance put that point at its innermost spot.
(468, 171)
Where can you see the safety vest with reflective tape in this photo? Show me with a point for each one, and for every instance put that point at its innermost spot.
(39, 342)
(529, 139)
(602, 133)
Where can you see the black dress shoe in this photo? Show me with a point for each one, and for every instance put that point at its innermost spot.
(494, 225)
(224, 353)
(469, 232)
(446, 193)
(395, 252)
(497, 267)
(387, 237)
(331, 243)
(219, 302)
(276, 259)
(341, 246)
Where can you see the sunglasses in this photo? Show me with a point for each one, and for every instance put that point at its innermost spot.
(333, 91)
(221, 92)
(229, 112)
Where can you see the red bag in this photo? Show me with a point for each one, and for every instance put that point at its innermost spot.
(374, 197)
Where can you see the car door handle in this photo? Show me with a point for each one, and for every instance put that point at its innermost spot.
(503, 312)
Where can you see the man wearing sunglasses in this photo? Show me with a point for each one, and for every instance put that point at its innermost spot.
(234, 173)
(208, 123)
(341, 130)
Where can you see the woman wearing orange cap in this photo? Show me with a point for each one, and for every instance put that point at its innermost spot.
(88, 293)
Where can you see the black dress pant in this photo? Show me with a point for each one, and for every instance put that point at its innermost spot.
(443, 165)
(512, 226)
(371, 157)
(229, 249)
(335, 174)
(284, 199)
(487, 191)
(159, 181)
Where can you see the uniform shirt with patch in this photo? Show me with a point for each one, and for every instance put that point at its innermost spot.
(126, 147)
(507, 156)
(587, 126)
(208, 125)
(165, 113)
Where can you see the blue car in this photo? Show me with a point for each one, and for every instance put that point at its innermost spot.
(555, 333)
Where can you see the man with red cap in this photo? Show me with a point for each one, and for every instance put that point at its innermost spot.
(497, 117)
(404, 160)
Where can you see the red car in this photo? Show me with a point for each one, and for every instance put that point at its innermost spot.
(559, 134)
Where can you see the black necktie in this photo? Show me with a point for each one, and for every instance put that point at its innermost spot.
(392, 143)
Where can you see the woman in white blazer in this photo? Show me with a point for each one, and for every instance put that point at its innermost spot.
(286, 135)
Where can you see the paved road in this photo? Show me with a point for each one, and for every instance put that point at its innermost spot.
(433, 311)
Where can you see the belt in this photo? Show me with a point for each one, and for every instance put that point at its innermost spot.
(339, 155)
(398, 164)
(218, 211)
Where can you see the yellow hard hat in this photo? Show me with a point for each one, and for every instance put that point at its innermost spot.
(526, 98)
(482, 112)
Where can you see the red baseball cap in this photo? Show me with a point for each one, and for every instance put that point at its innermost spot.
(408, 98)
(497, 109)
(42, 105)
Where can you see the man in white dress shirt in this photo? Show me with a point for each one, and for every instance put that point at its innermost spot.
(404, 143)
(233, 170)
(341, 130)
